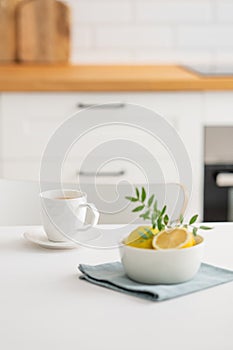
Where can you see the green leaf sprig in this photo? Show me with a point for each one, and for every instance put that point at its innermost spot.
(190, 224)
(159, 218)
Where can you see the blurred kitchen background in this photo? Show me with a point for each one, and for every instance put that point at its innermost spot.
(175, 57)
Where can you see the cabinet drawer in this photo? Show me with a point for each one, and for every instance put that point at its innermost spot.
(29, 120)
(118, 171)
(20, 170)
(73, 172)
(30, 104)
(26, 137)
(26, 134)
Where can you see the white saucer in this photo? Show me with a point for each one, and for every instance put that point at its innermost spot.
(38, 237)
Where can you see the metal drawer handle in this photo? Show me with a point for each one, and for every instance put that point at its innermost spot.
(104, 106)
(224, 180)
(102, 174)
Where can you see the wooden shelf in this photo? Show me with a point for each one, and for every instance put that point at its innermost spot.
(19, 77)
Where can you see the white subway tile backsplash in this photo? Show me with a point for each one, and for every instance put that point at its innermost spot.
(153, 31)
(134, 36)
(99, 11)
(225, 57)
(82, 36)
(102, 56)
(176, 56)
(174, 11)
(224, 10)
(214, 36)
(145, 56)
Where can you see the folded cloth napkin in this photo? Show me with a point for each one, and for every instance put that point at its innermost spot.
(112, 276)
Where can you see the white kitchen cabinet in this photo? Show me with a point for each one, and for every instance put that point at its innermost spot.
(218, 108)
(29, 119)
(1, 136)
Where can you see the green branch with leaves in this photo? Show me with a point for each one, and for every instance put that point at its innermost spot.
(148, 209)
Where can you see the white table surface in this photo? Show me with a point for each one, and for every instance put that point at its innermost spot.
(44, 305)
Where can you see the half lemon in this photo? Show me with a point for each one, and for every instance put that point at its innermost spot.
(176, 238)
(141, 237)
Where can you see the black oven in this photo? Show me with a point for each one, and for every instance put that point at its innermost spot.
(218, 192)
(218, 174)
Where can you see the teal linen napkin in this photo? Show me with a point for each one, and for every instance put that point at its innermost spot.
(112, 276)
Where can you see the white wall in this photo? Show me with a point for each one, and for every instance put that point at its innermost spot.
(152, 31)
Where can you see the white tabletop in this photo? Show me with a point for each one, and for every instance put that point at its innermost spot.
(44, 305)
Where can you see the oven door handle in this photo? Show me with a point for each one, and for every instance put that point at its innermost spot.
(224, 180)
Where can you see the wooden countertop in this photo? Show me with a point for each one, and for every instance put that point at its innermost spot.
(106, 78)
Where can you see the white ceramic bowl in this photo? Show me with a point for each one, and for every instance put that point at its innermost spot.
(161, 266)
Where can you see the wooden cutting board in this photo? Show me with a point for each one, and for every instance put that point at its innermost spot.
(7, 30)
(43, 31)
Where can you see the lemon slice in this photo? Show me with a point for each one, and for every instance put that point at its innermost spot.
(141, 237)
(176, 238)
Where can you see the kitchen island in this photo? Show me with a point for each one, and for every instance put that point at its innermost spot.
(44, 304)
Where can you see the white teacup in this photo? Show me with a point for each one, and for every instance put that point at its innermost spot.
(64, 214)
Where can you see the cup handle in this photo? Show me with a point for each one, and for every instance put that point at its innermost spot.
(94, 217)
